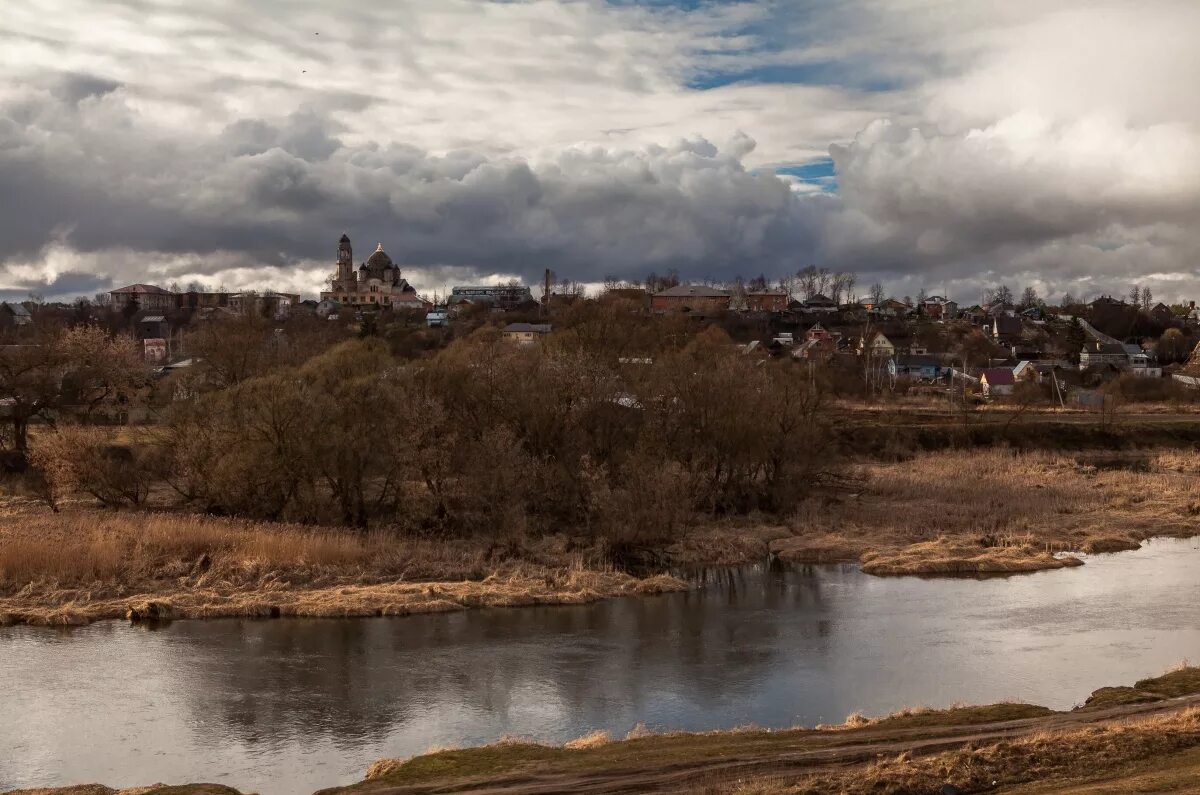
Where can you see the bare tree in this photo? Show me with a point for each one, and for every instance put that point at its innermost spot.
(809, 280)
(877, 294)
(1000, 295)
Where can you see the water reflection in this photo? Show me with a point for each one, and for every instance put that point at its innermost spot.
(287, 706)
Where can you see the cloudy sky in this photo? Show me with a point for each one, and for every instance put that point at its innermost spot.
(945, 144)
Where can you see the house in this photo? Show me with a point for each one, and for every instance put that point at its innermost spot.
(1163, 314)
(692, 299)
(1006, 329)
(525, 333)
(766, 301)
(938, 308)
(920, 367)
(997, 381)
(818, 332)
(142, 297)
(194, 299)
(153, 327)
(13, 315)
(499, 296)
(876, 344)
(819, 303)
(437, 317)
(815, 350)
(328, 309)
(1100, 353)
(893, 308)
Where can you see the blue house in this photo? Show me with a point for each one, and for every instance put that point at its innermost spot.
(920, 368)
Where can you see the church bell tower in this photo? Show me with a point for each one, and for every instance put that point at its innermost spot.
(345, 264)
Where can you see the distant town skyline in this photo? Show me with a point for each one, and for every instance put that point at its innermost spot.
(919, 143)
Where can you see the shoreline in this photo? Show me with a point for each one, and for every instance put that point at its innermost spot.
(1109, 739)
(1016, 513)
(346, 601)
(576, 586)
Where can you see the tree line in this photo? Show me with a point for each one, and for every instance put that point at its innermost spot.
(485, 436)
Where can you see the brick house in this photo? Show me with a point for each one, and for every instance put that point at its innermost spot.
(766, 301)
(146, 297)
(691, 298)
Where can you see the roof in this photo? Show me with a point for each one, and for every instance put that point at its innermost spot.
(17, 309)
(998, 376)
(379, 260)
(1109, 349)
(141, 289)
(819, 299)
(1007, 325)
(918, 360)
(539, 328)
(691, 290)
(153, 319)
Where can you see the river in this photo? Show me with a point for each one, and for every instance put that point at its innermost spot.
(287, 706)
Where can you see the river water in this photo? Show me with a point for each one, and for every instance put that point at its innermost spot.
(287, 706)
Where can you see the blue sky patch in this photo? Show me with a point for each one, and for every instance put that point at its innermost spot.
(815, 172)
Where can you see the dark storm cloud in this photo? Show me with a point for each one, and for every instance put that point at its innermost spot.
(286, 189)
(76, 87)
(63, 284)
(974, 143)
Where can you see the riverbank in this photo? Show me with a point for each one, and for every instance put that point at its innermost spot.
(1100, 746)
(84, 565)
(1000, 747)
(994, 511)
(955, 513)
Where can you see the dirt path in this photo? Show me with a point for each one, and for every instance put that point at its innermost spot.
(847, 749)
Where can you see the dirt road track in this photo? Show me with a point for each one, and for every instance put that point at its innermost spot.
(859, 746)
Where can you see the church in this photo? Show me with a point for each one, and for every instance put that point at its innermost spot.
(376, 282)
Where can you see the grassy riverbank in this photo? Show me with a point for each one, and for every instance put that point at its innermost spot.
(953, 513)
(1108, 745)
(85, 565)
(1000, 747)
(996, 512)
(1149, 746)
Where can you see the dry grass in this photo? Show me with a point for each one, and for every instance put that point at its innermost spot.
(1040, 757)
(994, 511)
(81, 566)
(593, 740)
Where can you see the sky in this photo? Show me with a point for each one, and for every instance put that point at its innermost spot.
(942, 145)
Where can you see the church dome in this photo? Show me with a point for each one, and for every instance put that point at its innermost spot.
(379, 260)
